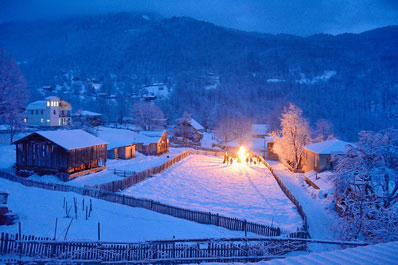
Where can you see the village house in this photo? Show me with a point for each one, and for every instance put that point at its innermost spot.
(65, 153)
(152, 143)
(154, 91)
(51, 112)
(318, 156)
(88, 117)
(188, 131)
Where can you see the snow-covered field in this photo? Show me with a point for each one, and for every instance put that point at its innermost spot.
(137, 164)
(205, 183)
(37, 210)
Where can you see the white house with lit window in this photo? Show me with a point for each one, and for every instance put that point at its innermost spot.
(50, 112)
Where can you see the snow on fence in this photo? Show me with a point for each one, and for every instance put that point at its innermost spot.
(134, 178)
(14, 248)
(287, 192)
(230, 223)
(162, 251)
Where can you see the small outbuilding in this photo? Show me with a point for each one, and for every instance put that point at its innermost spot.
(66, 153)
(121, 143)
(318, 156)
(152, 143)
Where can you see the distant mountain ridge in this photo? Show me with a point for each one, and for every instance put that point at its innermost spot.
(258, 73)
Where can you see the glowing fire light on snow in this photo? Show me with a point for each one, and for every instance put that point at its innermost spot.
(242, 154)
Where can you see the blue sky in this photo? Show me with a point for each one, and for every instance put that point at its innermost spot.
(300, 17)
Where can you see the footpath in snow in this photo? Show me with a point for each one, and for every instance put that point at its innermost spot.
(204, 183)
(37, 210)
(321, 224)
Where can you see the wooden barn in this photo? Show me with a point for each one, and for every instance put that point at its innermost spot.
(318, 156)
(66, 153)
(152, 143)
(188, 131)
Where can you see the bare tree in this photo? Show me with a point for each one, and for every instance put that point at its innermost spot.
(323, 130)
(13, 94)
(294, 135)
(233, 128)
(147, 115)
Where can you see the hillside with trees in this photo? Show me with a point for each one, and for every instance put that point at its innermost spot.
(349, 79)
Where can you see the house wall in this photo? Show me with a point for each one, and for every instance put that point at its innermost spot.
(48, 116)
(314, 161)
(87, 158)
(124, 152)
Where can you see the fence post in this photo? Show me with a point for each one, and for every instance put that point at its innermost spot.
(245, 227)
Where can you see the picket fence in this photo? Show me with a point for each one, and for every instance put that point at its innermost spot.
(230, 223)
(161, 251)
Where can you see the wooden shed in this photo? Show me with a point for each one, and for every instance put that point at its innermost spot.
(122, 152)
(318, 156)
(152, 143)
(66, 153)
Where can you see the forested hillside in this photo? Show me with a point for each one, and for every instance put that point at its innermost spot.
(349, 79)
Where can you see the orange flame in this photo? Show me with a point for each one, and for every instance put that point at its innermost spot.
(242, 154)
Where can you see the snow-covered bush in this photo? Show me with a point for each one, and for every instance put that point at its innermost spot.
(367, 187)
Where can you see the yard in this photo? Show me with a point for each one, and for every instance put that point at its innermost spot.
(204, 183)
(37, 210)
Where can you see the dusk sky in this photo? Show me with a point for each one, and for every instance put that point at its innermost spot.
(300, 17)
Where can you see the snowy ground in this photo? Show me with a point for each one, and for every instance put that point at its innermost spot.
(322, 220)
(137, 164)
(37, 210)
(205, 183)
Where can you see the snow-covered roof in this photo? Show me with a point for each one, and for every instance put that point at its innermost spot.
(260, 129)
(70, 139)
(88, 113)
(385, 253)
(148, 137)
(39, 104)
(196, 124)
(116, 137)
(52, 97)
(333, 146)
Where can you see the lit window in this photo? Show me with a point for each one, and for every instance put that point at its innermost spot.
(48, 120)
(41, 120)
(52, 103)
(25, 120)
(48, 103)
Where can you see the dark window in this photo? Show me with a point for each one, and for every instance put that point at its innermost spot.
(55, 112)
(41, 111)
(31, 112)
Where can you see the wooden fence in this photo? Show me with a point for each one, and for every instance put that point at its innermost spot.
(119, 185)
(230, 223)
(287, 193)
(161, 251)
(109, 194)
